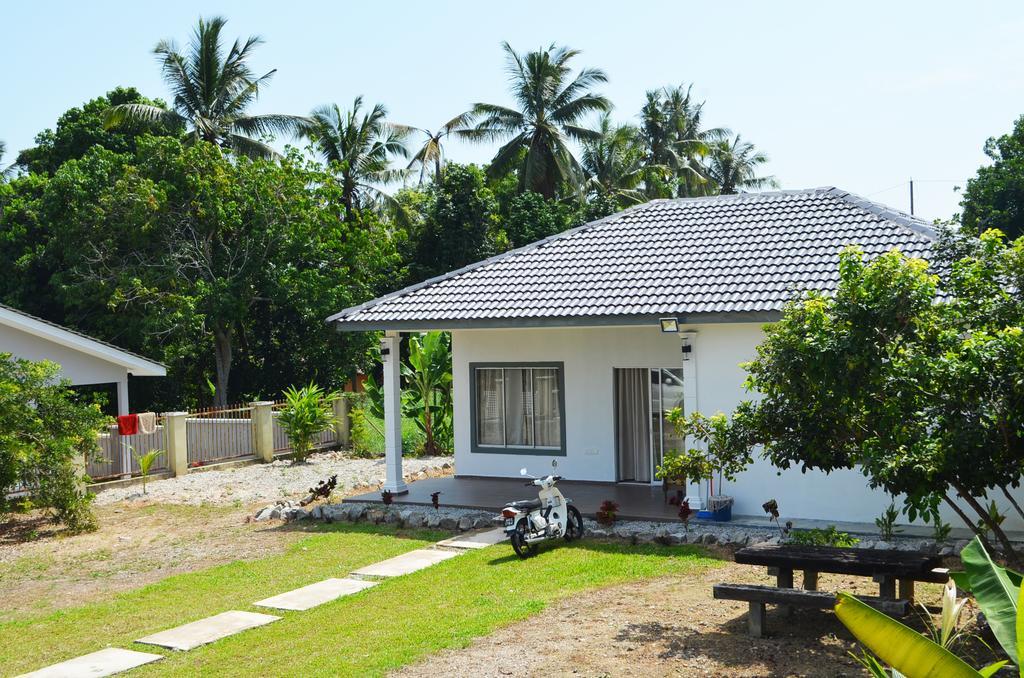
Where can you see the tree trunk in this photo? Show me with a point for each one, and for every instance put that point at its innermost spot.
(967, 521)
(1011, 553)
(1012, 501)
(222, 357)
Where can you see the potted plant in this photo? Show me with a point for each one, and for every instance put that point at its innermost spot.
(722, 454)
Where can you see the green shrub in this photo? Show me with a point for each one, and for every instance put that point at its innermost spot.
(829, 536)
(307, 413)
(45, 431)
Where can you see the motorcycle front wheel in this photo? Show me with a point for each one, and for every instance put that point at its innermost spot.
(522, 548)
(574, 524)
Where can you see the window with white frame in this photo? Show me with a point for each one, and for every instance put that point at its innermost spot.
(518, 408)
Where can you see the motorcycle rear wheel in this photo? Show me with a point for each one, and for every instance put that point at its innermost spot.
(522, 548)
(574, 524)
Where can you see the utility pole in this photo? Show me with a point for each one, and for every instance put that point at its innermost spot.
(911, 196)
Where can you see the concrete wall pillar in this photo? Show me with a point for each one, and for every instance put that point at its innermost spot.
(391, 356)
(342, 425)
(176, 436)
(689, 338)
(263, 430)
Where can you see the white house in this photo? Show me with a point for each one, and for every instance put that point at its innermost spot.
(558, 350)
(82, 359)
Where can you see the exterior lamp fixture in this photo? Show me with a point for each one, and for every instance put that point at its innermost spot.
(687, 347)
(669, 325)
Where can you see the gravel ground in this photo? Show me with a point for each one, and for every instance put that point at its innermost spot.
(281, 479)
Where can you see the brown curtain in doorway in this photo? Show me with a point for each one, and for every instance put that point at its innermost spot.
(633, 424)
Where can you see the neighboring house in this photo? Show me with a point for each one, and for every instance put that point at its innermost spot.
(82, 359)
(558, 350)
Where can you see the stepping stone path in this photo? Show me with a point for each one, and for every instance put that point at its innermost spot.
(475, 540)
(103, 663)
(191, 636)
(405, 563)
(316, 594)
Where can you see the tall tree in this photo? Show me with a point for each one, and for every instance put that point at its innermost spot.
(676, 142)
(733, 167)
(5, 172)
(432, 150)
(614, 163)
(994, 198)
(551, 103)
(359, 146)
(212, 94)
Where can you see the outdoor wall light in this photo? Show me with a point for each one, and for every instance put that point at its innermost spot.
(669, 325)
(687, 347)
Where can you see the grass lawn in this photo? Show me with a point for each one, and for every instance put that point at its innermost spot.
(369, 633)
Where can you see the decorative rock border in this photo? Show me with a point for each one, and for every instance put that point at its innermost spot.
(635, 531)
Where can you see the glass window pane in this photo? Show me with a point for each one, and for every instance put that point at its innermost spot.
(546, 409)
(490, 411)
(671, 397)
(518, 408)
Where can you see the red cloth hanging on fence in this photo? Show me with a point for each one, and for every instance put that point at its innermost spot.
(128, 424)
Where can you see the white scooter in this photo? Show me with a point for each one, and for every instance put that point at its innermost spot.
(550, 516)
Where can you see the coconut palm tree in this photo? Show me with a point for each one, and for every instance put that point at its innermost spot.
(359, 146)
(432, 150)
(614, 162)
(212, 92)
(677, 144)
(550, 103)
(5, 172)
(733, 166)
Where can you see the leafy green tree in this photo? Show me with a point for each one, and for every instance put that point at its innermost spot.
(428, 375)
(529, 218)
(431, 153)
(44, 433)
(880, 378)
(676, 143)
(551, 104)
(5, 172)
(80, 128)
(359, 147)
(614, 163)
(733, 166)
(994, 198)
(213, 91)
(459, 217)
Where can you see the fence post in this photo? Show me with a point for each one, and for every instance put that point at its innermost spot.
(177, 442)
(342, 425)
(263, 430)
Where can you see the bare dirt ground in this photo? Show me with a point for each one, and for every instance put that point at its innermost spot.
(664, 627)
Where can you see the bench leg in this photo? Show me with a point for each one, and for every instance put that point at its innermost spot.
(810, 580)
(784, 580)
(755, 619)
(907, 590)
(886, 587)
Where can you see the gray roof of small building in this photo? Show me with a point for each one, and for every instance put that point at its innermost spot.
(715, 259)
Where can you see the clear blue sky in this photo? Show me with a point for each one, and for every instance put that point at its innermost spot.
(858, 95)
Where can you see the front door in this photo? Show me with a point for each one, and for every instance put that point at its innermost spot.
(642, 434)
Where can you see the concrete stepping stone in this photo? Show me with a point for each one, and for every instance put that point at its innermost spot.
(190, 636)
(475, 540)
(316, 594)
(405, 563)
(103, 663)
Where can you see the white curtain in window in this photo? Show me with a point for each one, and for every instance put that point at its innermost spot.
(518, 407)
(490, 411)
(547, 412)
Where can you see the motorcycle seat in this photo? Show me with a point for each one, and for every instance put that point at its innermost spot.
(526, 504)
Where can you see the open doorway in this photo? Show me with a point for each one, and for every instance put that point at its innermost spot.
(642, 434)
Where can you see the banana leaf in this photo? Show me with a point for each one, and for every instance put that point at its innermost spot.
(900, 647)
(997, 591)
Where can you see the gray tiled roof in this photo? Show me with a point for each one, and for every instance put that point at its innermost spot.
(724, 257)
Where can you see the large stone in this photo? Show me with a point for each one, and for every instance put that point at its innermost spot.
(449, 523)
(263, 514)
(315, 594)
(433, 520)
(374, 516)
(465, 523)
(391, 517)
(416, 519)
(405, 563)
(102, 663)
(189, 636)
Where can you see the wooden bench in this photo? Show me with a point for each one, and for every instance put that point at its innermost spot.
(757, 596)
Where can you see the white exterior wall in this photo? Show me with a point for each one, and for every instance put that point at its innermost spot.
(76, 366)
(590, 355)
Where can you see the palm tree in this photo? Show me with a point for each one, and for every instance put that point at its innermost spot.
(360, 147)
(676, 141)
(5, 172)
(614, 162)
(733, 167)
(432, 150)
(212, 91)
(551, 103)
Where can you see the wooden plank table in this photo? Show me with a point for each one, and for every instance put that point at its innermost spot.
(885, 566)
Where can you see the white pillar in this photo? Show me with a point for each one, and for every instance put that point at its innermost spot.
(391, 357)
(263, 430)
(123, 408)
(689, 338)
(122, 396)
(177, 442)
